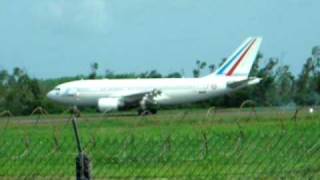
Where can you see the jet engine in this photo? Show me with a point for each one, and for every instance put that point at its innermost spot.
(109, 104)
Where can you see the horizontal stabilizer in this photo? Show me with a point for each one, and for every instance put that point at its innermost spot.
(243, 83)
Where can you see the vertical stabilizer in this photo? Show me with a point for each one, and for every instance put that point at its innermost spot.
(241, 61)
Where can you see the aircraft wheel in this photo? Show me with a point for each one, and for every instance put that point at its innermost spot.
(140, 112)
(147, 112)
(143, 112)
(153, 111)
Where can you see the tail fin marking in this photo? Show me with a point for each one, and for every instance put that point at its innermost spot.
(231, 60)
(230, 73)
(240, 62)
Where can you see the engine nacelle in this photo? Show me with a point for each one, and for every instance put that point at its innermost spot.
(109, 104)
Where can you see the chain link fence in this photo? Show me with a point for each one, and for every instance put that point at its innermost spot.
(258, 143)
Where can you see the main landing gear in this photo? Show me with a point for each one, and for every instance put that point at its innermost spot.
(142, 112)
(148, 105)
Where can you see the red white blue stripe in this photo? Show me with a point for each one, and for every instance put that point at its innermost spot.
(232, 63)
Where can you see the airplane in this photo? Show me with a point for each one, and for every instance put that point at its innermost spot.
(147, 95)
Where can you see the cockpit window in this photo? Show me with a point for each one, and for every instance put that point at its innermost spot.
(57, 89)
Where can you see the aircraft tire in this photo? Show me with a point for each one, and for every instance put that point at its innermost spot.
(147, 112)
(153, 111)
(140, 112)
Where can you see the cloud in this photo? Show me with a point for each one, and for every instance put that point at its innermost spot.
(84, 15)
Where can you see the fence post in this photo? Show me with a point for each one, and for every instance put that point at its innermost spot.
(83, 165)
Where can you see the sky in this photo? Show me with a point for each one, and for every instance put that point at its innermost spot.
(55, 38)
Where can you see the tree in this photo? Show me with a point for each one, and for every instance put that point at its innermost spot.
(222, 61)
(308, 83)
(304, 83)
(255, 66)
(264, 93)
(109, 74)
(212, 68)
(199, 67)
(4, 75)
(285, 85)
(94, 69)
(151, 74)
(154, 74)
(174, 75)
(316, 55)
(21, 94)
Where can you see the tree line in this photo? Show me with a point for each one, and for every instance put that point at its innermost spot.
(21, 94)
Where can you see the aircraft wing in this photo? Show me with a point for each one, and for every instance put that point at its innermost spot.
(131, 96)
(243, 83)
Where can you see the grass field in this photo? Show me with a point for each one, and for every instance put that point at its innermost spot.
(176, 144)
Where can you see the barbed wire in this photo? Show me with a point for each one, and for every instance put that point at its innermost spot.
(223, 144)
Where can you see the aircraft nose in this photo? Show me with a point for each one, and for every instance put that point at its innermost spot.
(51, 95)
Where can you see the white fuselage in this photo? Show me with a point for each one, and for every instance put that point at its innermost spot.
(173, 91)
(110, 95)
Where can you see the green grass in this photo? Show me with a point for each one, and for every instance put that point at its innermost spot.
(179, 144)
